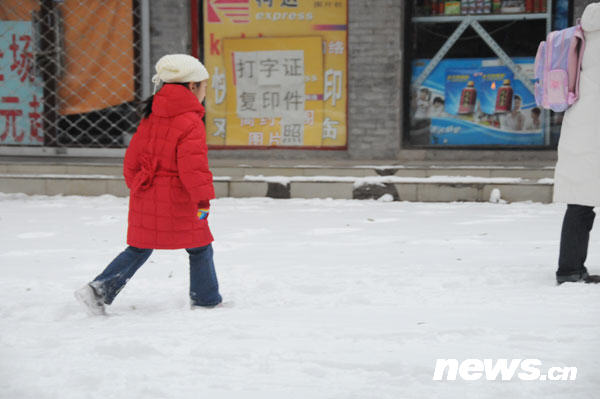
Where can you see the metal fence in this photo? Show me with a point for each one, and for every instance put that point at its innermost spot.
(70, 72)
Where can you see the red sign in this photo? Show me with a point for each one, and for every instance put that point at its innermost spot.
(238, 11)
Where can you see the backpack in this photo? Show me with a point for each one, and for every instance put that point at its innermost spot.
(557, 68)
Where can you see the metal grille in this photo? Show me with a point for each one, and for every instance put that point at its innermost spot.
(70, 72)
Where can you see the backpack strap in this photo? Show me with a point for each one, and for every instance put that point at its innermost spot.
(549, 48)
(580, 40)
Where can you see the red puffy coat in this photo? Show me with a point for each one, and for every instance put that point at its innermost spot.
(166, 170)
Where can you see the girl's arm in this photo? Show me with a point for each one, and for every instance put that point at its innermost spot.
(192, 164)
(131, 163)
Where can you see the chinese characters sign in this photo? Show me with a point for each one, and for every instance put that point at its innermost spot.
(269, 84)
(278, 73)
(20, 90)
(273, 92)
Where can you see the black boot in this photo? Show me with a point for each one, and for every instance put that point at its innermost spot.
(582, 276)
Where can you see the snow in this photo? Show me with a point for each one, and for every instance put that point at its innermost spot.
(380, 180)
(284, 180)
(452, 167)
(496, 197)
(547, 180)
(436, 179)
(386, 198)
(327, 299)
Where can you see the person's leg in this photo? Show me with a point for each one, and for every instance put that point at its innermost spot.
(204, 287)
(110, 282)
(574, 240)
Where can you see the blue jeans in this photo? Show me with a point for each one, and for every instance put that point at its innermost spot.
(204, 288)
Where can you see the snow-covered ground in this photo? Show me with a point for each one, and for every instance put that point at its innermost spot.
(327, 299)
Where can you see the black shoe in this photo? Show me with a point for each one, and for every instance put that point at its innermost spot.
(592, 279)
(582, 276)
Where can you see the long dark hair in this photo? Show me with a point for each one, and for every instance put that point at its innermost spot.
(145, 108)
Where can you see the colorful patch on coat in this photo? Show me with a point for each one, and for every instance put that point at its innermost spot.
(202, 214)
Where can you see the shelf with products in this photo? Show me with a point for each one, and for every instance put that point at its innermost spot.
(442, 95)
(465, 7)
(480, 17)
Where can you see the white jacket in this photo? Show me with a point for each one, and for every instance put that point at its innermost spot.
(577, 175)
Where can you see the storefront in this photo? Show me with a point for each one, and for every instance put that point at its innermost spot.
(470, 83)
(290, 79)
(466, 77)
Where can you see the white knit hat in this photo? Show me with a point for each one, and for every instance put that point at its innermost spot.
(179, 68)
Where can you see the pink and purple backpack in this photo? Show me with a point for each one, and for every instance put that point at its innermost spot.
(557, 68)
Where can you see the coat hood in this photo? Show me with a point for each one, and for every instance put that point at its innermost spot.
(173, 100)
(590, 21)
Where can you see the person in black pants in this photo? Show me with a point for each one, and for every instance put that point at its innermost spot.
(577, 173)
(574, 240)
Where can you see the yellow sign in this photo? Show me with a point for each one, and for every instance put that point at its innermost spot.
(278, 73)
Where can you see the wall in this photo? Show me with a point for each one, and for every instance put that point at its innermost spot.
(579, 6)
(375, 78)
(169, 28)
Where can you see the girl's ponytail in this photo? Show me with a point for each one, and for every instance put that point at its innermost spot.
(146, 107)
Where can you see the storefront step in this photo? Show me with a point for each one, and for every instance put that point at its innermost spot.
(388, 188)
(238, 172)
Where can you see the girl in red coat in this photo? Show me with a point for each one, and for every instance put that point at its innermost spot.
(166, 170)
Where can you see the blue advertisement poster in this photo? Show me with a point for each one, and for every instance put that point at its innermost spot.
(475, 101)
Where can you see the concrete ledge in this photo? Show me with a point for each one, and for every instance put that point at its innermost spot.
(475, 172)
(523, 192)
(33, 168)
(411, 173)
(532, 174)
(29, 186)
(335, 190)
(116, 170)
(447, 192)
(117, 188)
(238, 170)
(357, 172)
(26, 168)
(221, 189)
(433, 189)
(242, 189)
(407, 191)
(87, 187)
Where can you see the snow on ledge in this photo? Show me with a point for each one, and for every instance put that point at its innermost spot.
(380, 180)
(546, 180)
(451, 167)
(80, 176)
(58, 176)
(357, 181)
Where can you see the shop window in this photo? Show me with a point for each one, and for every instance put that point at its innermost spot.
(470, 75)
